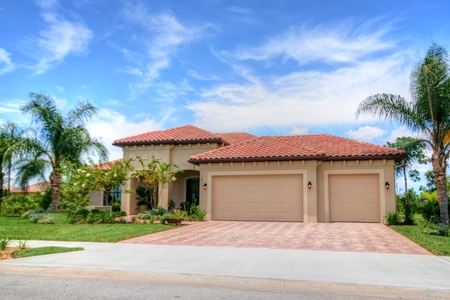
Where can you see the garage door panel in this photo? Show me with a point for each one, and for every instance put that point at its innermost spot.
(354, 198)
(258, 197)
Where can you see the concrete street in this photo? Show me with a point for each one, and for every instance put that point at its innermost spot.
(354, 273)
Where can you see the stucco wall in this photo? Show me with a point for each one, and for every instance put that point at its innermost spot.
(314, 172)
(307, 168)
(178, 154)
(385, 167)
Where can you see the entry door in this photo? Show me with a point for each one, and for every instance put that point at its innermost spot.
(192, 191)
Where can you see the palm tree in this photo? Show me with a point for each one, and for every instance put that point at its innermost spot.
(10, 134)
(428, 113)
(60, 139)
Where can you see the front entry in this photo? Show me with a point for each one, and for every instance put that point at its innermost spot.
(192, 192)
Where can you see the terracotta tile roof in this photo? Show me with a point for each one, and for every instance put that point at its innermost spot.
(320, 147)
(178, 135)
(261, 148)
(32, 188)
(338, 147)
(106, 165)
(236, 137)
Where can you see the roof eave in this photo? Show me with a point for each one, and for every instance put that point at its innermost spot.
(256, 159)
(396, 157)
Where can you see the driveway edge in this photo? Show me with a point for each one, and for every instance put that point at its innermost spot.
(229, 282)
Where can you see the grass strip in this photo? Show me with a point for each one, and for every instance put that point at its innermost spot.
(17, 228)
(43, 251)
(439, 245)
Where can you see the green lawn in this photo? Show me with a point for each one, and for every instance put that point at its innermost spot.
(43, 251)
(17, 228)
(439, 245)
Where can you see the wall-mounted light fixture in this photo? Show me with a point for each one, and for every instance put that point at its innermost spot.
(205, 186)
(309, 185)
(387, 185)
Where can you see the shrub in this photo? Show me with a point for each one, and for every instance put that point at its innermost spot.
(46, 199)
(198, 212)
(164, 218)
(158, 211)
(429, 206)
(17, 204)
(392, 218)
(4, 242)
(116, 206)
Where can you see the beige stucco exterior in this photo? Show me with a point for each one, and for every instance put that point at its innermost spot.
(315, 200)
(178, 154)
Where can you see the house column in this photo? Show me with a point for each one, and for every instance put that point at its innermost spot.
(312, 192)
(164, 196)
(128, 202)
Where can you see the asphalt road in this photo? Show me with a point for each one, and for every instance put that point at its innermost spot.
(33, 287)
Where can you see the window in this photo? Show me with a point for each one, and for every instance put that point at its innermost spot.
(114, 195)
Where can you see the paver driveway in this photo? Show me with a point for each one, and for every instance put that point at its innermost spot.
(360, 237)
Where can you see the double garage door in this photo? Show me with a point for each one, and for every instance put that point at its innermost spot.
(258, 198)
(352, 198)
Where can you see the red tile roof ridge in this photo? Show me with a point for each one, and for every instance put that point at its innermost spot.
(185, 133)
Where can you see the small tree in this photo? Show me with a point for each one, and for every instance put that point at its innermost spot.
(154, 176)
(414, 153)
(97, 178)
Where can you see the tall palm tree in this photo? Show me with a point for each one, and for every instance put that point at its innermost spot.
(427, 114)
(60, 139)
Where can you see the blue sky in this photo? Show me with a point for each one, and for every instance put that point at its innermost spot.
(266, 67)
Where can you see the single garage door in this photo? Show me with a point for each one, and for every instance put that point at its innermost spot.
(354, 198)
(257, 198)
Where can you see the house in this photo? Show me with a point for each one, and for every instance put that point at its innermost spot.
(29, 189)
(300, 178)
(103, 200)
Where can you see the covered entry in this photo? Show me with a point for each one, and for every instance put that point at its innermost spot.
(354, 198)
(258, 197)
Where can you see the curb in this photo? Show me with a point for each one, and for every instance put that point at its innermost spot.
(228, 282)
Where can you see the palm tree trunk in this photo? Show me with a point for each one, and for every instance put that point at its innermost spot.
(439, 165)
(55, 182)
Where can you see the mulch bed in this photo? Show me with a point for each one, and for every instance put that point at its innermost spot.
(6, 254)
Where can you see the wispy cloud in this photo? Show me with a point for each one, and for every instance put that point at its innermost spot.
(163, 35)
(195, 75)
(59, 39)
(6, 65)
(305, 98)
(342, 43)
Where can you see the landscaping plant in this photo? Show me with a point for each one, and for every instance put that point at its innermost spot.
(392, 218)
(4, 242)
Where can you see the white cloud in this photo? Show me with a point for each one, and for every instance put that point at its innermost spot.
(400, 132)
(342, 43)
(110, 125)
(59, 39)
(164, 34)
(366, 133)
(299, 130)
(195, 75)
(6, 64)
(302, 98)
(60, 88)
